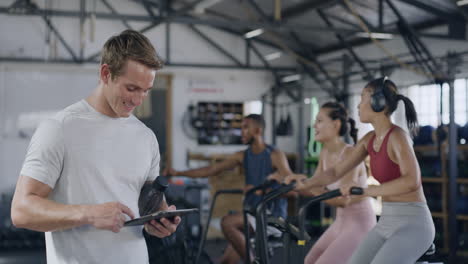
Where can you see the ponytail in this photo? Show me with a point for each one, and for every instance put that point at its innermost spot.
(352, 129)
(391, 102)
(410, 113)
(338, 112)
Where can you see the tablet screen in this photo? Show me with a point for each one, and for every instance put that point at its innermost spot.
(158, 215)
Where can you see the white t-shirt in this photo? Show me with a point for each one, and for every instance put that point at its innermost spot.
(89, 158)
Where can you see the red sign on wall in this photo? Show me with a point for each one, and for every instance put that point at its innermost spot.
(206, 90)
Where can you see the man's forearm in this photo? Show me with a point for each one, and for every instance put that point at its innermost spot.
(40, 214)
(197, 173)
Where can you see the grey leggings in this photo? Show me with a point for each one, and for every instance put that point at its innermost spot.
(404, 232)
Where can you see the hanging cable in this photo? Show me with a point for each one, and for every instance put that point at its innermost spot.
(415, 53)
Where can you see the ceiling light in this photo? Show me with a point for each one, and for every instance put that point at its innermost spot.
(253, 33)
(291, 78)
(462, 2)
(272, 56)
(375, 35)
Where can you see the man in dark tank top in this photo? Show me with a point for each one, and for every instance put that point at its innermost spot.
(259, 160)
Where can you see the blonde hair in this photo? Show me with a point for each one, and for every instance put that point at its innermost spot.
(129, 45)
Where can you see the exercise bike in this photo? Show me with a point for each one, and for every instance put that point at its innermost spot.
(302, 239)
(246, 210)
(291, 233)
(429, 254)
(207, 225)
(295, 238)
(288, 231)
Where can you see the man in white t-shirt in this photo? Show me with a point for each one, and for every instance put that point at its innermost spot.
(85, 167)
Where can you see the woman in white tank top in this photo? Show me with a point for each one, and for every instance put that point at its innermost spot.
(354, 215)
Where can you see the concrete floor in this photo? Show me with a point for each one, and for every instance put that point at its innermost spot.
(214, 248)
(23, 257)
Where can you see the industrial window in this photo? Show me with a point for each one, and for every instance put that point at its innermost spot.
(426, 99)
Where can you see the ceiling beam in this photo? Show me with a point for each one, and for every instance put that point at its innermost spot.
(215, 45)
(311, 72)
(364, 41)
(112, 9)
(364, 20)
(424, 5)
(342, 20)
(245, 25)
(305, 7)
(171, 64)
(148, 8)
(412, 34)
(367, 73)
(60, 38)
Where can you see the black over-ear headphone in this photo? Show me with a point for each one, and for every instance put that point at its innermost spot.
(378, 97)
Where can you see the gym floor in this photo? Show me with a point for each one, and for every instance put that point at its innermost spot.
(23, 257)
(214, 248)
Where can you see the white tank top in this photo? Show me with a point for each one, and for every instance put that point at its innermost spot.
(362, 178)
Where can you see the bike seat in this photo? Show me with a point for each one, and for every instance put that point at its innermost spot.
(429, 253)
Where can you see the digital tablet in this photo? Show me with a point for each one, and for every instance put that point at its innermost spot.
(158, 215)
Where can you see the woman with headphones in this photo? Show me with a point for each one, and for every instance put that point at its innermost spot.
(405, 229)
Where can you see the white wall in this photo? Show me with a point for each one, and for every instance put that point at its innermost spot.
(31, 88)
